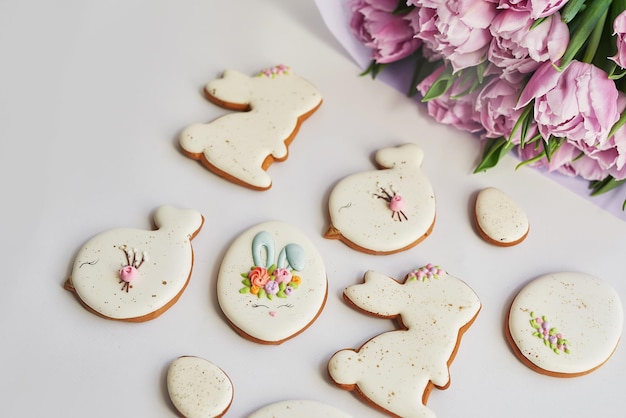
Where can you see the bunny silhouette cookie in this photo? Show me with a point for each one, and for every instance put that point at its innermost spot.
(136, 275)
(198, 388)
(241, 146)
(271, 283)
(396, 370)
(387, 210)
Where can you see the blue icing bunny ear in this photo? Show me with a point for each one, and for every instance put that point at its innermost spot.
(292, 255)
(263, 240)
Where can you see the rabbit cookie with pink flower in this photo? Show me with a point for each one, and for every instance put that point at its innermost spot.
(271, 284)
(387, 210)
(395, 371)
(134, 274)
(241, 146)
(565, 324)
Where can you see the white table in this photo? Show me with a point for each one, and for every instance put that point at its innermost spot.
(92, 96)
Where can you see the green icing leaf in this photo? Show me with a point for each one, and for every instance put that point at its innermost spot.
(244, 290)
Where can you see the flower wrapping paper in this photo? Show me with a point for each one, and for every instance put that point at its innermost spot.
(336, 14)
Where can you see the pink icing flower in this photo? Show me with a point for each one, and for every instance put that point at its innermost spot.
(536, 8)
(128, 273)
(456, 30)
(258, 276)
(516, 48)
(390, 36)
(282, 275)
(619, 29)
(397, 203)
(578, 103)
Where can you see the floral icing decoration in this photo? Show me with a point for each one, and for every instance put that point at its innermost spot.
(396, 203)
(274, 71)
(427, 272)
(550, 336)
(278, 278)
(130, 269)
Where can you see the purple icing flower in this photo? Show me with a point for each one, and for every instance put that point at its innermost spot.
(288, 290)
(271, 287)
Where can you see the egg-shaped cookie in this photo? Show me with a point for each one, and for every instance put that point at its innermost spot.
(198, 388)
(499, 219)
(271, 284)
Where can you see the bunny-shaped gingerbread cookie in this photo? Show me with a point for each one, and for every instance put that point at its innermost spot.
(240, 146)
(134, 274)
(387, 210)
(435, 309)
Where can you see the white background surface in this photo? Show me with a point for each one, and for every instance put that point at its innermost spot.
(92, 96)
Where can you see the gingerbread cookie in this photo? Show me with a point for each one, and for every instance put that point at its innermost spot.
(499, 219)
(198, 388)
(387, 210)
(396, 371)
(136, 275)
(299, 409)
(241, 146)
(271, 283)
(565, 324)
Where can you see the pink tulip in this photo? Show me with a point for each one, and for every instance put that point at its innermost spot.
(495, 105)
(458, 112)
(516, 48)
(390, 36)
(536, 8)
(590, 163)
(456, 30)
(619, 29)
(578, 103)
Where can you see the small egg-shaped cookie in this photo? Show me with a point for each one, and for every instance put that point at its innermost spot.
(499, 219)
(198, 388)
(299, 409)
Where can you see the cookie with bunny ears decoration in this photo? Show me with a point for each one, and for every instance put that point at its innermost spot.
(387, 210)
(241, 146)
(134, 274)
(271, 284)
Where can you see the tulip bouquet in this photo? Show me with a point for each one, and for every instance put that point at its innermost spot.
(539, 77)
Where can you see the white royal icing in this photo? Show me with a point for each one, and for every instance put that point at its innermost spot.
(395, 369)
(362, 215)
(274, 320)
(164, 258)
(198, 388)
(299, 409)
(581, 313)
(500, 218)
(238, 144)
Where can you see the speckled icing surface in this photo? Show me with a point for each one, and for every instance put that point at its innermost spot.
(271, 283)
(198, 388)
(299, 409)
(386, 210)
(237, 145)
(499, 217)
(396, 370)
(566, 323)
(161, 261)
